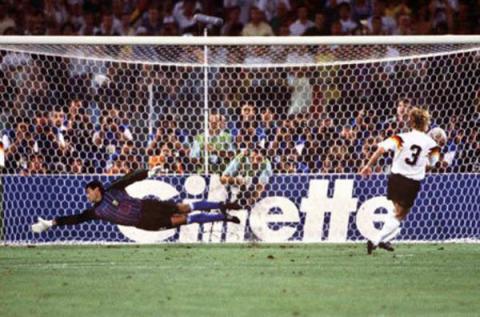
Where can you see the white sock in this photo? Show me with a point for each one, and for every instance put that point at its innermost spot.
(392, 235)
(391, 224)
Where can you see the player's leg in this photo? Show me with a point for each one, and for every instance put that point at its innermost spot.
(182, 219)
(391, 227)
(402, 192)
(391, 224)
(205, 205)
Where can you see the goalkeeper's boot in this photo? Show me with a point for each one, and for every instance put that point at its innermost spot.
(370, 247)
(231, 218)
(42, 225)
(230, 206)
(386, 246)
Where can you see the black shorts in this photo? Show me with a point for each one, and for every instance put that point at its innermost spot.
(402, 190)
(156, 214)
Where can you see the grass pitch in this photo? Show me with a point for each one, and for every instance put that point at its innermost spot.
(240, 280)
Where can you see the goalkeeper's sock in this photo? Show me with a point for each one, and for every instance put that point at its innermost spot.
(204, 217)
(205, 205)
(389, 227)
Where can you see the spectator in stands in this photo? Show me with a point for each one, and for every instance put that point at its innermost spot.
(47, 144)
(388, 23)
(270, 7)
(57, 122)
(168, 132)
(302, 23)
(53, 28)
(348, 137)
(422, 19)
(126, 162)
(368, 148)
(244, 5)
(184, 12)
(119, 8)
(220, 146)
(361, 9)
(169, 27)
(394, 8)
(232, 25)
(68, 29)
(464, 19)
(257, 26)
(169, 160)
(88, 27)
(399, 122)
(113, 133)
(109, 25)
(345, 18)
(90, 5)
(78, 138)
(76, 166)
(376, 27)
(335, 159)
(247, 126)
(36, 23)
(290, 162)
(268, 124)
(302, 91)
(336, 28)
(404, 25)
(76, 17)
(320, 27)
(250, 170)
(284, 141)
(20, 148)
(153, 22)
(282, 18)
(6, 18)
(36, 165)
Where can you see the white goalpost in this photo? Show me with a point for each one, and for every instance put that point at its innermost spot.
(73, 109)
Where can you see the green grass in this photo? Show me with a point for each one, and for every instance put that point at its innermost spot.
(240, 280)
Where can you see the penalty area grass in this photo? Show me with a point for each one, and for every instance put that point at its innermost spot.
(240, 280)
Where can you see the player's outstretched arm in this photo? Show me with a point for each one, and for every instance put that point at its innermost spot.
(129, 179)
(367, 169)
(43, 224)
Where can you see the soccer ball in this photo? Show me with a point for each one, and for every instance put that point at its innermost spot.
(438, 135)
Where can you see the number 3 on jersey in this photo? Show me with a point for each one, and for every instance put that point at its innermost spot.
(415, 155)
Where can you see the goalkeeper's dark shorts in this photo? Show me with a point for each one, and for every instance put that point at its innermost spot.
(156, 214)
(402, 190)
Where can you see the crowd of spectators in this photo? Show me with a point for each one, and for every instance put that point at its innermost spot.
(242, 17)
(115, 117)
(75, 115)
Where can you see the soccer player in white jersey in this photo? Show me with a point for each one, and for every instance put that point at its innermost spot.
(413, 151)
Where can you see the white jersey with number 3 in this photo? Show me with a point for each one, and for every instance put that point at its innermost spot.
(414, 150)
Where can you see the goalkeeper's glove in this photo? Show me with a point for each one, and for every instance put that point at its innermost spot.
(42, 225)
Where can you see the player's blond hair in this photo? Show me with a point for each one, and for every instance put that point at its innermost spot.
(419, 119)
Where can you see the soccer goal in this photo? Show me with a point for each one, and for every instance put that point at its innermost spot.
(295, 118)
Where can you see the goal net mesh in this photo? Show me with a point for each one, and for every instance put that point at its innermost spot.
(295, 121)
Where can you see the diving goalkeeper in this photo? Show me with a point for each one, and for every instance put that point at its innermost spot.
(114, 205)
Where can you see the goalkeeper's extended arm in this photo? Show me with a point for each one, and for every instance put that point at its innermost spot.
(129, 179)
(43, 224)
(87, 215)
(134, 176)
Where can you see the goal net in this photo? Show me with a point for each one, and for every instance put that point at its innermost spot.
(295, 122)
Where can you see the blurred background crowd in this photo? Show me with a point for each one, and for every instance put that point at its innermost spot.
(242, 17)
(66, 113)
